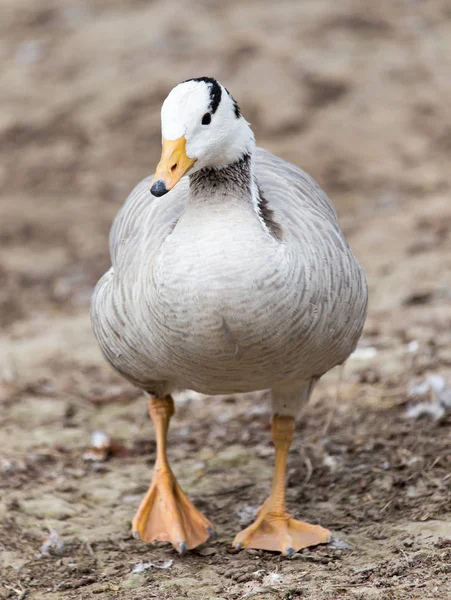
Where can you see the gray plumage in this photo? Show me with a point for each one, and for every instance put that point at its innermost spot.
(203, 295)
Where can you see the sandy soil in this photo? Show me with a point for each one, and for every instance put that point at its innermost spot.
(358, 94)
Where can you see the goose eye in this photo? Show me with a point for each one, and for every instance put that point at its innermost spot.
(206, 119)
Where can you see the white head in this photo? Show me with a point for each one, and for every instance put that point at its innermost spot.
(201, 127)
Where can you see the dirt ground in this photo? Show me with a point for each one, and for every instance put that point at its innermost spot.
(358, 95)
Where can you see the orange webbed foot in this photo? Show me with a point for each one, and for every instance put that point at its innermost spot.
(280, 533)
(167, 515)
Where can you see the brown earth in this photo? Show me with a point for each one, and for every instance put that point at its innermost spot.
(358, 94)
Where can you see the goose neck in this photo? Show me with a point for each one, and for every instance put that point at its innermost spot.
(233, 181)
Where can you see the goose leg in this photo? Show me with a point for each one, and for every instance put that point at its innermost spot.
(274, 529)
(165, 513)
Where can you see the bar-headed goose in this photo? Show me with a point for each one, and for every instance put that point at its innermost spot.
(229, 274)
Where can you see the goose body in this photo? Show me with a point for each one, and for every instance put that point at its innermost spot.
(235, 280)
(201, 295)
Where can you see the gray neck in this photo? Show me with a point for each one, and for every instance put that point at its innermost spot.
(234, 180)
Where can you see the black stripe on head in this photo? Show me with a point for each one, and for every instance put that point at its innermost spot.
(235, 105)
(214, 90)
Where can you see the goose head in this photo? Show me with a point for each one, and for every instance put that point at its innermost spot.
(201, 127)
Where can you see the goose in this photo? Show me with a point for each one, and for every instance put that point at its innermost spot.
(230, 274)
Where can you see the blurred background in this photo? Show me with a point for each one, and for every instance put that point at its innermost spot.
(358, 94)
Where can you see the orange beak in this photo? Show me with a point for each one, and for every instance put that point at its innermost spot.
(174, 163)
